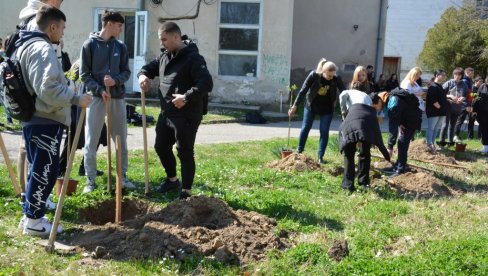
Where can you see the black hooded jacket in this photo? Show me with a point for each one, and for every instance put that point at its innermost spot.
(361, 125)
(183, 73)
(403, 109)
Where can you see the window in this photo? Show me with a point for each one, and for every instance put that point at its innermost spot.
(239, 38)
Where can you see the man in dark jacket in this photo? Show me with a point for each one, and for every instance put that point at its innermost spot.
(404, 115)
(184, 84)
(360, 126)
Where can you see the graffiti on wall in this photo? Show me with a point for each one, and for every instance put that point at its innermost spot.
(276, 68)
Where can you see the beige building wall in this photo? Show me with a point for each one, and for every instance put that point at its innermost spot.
(325, 28)
(274, 59)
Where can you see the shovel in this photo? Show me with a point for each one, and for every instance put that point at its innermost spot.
(13, 178)
(144, 136)
(289, 121)
(59, 208)
(109, 144)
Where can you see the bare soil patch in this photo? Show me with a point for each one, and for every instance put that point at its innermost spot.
(295, 162)
(339, 250)
(197, 226)
(418, 150)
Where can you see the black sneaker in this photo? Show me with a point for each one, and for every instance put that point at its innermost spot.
(364, 188)
(168, 186)
(388, 170)
(441, 143)
(184, 194)
(397, 173)
(320, 161)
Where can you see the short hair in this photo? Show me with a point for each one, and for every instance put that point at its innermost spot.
(375, 98)
(369, 67)
(170, 28)
(47, 15)
(439, 72)
(114, 16)
(470, 69)
(478, 78)
(458, 71)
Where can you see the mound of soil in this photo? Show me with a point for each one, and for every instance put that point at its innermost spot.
(196, 226)
(420, 185)
(295, 162)
(418, 150)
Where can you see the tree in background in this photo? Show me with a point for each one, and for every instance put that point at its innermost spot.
(460, 38)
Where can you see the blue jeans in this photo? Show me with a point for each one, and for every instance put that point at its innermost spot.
(433, 125)
(325, 121)
(42, 147)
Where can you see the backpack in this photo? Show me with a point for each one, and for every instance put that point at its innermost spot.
(19, 102)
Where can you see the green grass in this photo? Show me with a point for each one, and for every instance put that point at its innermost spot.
(448, 235)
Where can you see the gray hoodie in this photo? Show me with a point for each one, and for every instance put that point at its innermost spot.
(44, 76)
(30, 10)
(100, 58)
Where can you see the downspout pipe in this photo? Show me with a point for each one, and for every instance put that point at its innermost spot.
(142, 5)
(379, 40)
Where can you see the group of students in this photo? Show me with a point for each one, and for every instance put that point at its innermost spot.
(103, 68)
(446, 106)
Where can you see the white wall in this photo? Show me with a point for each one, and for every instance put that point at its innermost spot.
(407, 24)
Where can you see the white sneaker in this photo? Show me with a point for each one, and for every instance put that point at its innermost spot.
(457, 139)
(23, 219)
(49, 204)
(484, 150)
(127, 184)
(39, 227)
(89, 185)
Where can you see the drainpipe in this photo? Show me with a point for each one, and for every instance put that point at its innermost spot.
(142, 6)
(378, 64)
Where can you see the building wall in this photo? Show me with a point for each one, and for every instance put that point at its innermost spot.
(407, 26)
(275, 40)
(325, 28)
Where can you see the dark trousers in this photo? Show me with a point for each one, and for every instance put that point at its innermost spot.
(182, 132)
(42, 143)
(363, 166)
(471, 120)
(403, 144)
(483, 129)
(447, 130)
(460, 121)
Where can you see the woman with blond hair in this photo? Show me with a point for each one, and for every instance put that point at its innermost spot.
(410, 84)
(320, 91)
(360, 80)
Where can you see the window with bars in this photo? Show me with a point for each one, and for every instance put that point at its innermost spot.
(239, 38)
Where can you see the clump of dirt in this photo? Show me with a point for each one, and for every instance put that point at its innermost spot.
(420, 185)
(418, 150)
(339, 250)
(295, 162)
(196, 226)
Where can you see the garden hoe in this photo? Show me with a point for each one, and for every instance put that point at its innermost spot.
(144, 137)
(9, 167)
(109, 144)
(59, 209)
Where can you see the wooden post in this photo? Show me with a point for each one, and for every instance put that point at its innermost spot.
(10, 169)
(59, 208)
(109, 143)
(118, 183)
(144, 136)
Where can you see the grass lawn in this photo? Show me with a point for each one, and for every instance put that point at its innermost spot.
(386, 233)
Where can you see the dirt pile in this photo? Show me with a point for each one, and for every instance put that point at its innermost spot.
(420, 185)
(339, 250)
(197, 226)
(295, 162)
(418, 150)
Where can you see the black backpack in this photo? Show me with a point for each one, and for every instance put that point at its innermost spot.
(19, 102)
